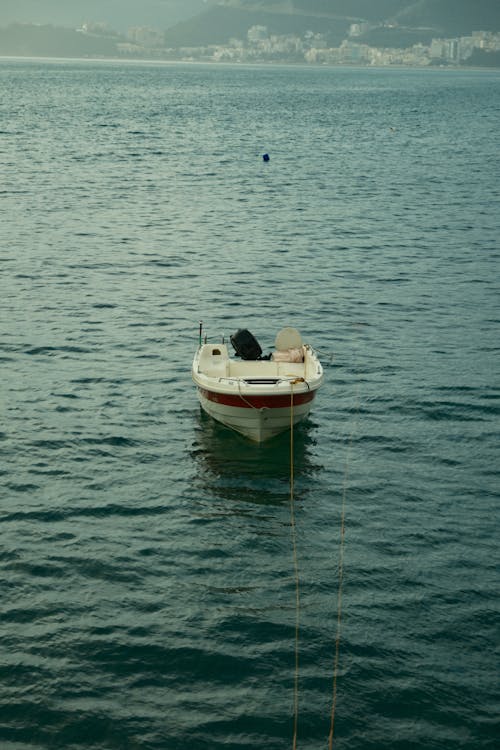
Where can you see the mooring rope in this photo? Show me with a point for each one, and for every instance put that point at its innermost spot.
(297, 581)
(341, 579)
(245, 400)
(340, 573)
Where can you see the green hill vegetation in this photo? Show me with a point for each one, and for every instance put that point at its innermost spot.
(219, 24)
(452, 17)
(53, 41)
(405, 21)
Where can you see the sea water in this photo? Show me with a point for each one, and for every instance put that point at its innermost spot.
(147, 577)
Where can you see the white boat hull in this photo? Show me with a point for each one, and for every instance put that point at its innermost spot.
(258, 423)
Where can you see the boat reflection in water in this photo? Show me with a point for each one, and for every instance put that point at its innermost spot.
(233, 468)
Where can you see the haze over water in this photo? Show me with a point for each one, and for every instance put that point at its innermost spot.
(145, 559)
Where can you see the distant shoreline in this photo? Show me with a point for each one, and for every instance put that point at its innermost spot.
(246, 64)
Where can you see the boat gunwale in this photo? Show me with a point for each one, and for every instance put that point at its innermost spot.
(258, 385)
(234, 385)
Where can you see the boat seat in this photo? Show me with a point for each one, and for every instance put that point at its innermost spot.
(289, 355)
(214, 361)
(266, 369)
(291, 369)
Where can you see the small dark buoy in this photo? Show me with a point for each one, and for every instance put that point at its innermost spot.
(266, 157)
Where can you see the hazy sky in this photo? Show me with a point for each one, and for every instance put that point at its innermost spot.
(118, 13)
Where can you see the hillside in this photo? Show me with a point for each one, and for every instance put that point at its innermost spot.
(412, 21)
(47, 41)
(219, 24)
(232, 19)
(375, 32)
(370, 10)
(452, 17)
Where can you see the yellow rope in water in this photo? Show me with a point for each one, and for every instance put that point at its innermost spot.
(297, 583)
(341, 580)
(339, 622)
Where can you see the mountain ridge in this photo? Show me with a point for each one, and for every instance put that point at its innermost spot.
(193, 22)
(405, 32)
(421, 18)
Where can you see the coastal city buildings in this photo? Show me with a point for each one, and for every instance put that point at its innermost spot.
(260, 46)
(363, 44)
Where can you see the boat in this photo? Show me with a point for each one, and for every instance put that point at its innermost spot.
(257, 396)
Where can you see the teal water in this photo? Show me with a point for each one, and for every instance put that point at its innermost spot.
(146, 571)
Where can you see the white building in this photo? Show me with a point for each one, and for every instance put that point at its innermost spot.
(257, 34)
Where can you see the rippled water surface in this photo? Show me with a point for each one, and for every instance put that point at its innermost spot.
(147, 587)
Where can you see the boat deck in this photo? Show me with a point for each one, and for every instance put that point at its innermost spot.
(265, 369)
(214, 362)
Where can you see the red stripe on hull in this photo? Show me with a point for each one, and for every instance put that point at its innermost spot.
(257, 402)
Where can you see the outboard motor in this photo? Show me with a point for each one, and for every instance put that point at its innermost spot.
(245, 344)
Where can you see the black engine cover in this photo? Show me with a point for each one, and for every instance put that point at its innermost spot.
(245, 344)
